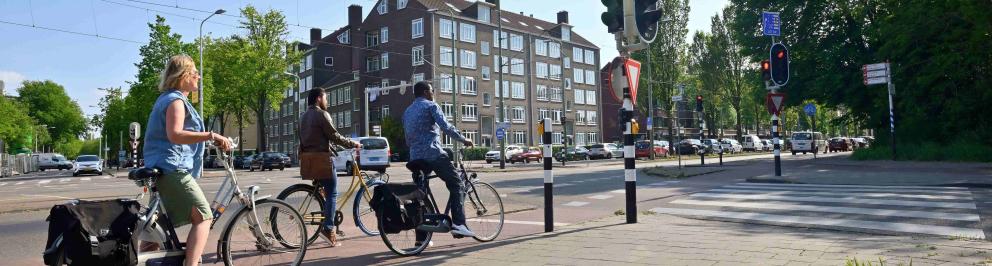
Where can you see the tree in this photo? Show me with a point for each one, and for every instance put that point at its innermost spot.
(667, 52)
(392, 129)
(730, 61)
(235, 96)
(49, 104)
(17, 128)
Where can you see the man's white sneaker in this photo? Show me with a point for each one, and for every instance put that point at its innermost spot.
(462, 230)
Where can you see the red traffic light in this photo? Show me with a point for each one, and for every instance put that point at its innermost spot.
(780, 55)
(699, 97)
(765, 65)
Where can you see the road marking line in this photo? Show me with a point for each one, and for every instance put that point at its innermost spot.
(85, 179)
(64, 180)
(853, 189)
(661, 184)
(852, 200)
(44, 181)
(618, 191)
(852, 186)
(859, 194)
(18, 183)
(46, 196)
(3, 184)
(787, 219)
(576, 204)
(848, 210)
(512, 222)
(106, 177)
(601, 197)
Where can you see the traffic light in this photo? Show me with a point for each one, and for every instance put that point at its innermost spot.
(699, 103)
(766, 70)
(613, 17)
(646, 16)
(779, 64)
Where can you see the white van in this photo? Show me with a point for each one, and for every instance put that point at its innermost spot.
(374, 154)
(52, 161)
(752, 143)
(807, 142)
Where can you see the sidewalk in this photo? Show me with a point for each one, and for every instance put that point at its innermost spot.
(842, 171)
(671, 240)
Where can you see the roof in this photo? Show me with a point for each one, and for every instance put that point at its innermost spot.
(514, 19)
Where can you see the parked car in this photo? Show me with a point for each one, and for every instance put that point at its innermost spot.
(752, 143)
(767, 145)
(712, 146)
(839, 144)
(268, 160)
(52, 161)
(345, 160)
(691, 147)
(860, 142)
(605, 150)
(534, 154)
(87, 164)
(244, 161)
(573, 154)
(493, 155)
(643, 149)
(731, 146)
(807, 142)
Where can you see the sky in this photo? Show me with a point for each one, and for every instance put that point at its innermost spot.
(33, 45)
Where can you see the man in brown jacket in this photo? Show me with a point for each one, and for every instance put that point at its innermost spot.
(317, 134)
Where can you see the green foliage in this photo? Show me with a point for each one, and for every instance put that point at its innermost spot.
(475, 153)
(70, 148)
(91, 146)
(141, 96)
(957, 151)
(17, 128)
(666, 65)
(392, 129)
(49, 104)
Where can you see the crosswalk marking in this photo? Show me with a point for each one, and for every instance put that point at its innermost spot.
(926, 191)
(576, 204)
(106, 177)
(618, 191)
(44, 181)
(3, 184)
(859, 194)
(18, 183)
(848, 210)
(64, 180)
(601, 197)
(959, 205)
(853, 186)
(884, 226)
(85, 179)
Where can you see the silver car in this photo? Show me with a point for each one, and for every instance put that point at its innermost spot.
(605, 150)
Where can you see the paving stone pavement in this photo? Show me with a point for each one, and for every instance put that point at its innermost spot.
(669, 240)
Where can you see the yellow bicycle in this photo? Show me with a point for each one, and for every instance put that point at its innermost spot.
(309, 201)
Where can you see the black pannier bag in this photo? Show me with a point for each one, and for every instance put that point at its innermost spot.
(93, 232)
(400, 206)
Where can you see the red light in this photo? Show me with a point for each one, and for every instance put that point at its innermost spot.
(781, 54)
(699, 98)
(765, 65)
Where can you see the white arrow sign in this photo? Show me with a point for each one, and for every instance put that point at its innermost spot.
(876, 74)
(877, 66)
(878, 80)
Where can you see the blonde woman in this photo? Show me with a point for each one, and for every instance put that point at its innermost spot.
(174, 143)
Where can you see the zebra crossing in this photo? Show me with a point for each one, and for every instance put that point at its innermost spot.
(54, 181)
(944, 211)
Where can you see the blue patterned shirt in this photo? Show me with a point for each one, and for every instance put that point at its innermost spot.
(421, 122)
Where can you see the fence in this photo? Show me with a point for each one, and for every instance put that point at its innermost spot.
(11, 165)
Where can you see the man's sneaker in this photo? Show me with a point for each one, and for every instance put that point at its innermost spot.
(462, 230)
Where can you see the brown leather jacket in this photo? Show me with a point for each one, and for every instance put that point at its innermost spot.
(317, 132)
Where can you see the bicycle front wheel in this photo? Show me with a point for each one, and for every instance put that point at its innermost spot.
(308, 201)
(484, 212)
(272, 233)
(362, 211)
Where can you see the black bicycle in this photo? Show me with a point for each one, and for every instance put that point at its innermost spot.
(483, 213)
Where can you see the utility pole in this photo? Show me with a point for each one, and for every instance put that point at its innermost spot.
(651, 100)
(499, 83)
(454, 82)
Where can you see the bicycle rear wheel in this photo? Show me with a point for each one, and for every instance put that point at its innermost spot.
(484, 212)
(309, 203)
(276, 237)
(362, 211)
(405, 243)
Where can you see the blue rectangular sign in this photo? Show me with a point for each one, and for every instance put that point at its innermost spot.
(771, 25)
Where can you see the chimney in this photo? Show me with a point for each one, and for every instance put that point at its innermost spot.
(354, 16)
(562, 17)
(531, 15)
(315, 35)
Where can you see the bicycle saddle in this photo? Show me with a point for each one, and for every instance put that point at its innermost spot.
(419, 166)
(144, 173)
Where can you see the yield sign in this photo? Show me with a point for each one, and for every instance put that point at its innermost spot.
(773, 101)
(633, 72)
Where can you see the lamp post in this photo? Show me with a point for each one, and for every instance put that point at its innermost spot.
(454, 83)
(218, 12)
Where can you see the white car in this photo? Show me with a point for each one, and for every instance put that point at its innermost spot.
(493, 156)
(87, 164)
(807, 142)
(731, 146)
(752, 143)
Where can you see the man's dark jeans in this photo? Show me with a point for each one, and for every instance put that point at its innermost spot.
(445, 170)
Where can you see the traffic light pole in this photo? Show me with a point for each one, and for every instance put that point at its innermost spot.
(650, 108)
(629, 172)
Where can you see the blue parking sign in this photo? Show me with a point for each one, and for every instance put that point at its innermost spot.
(771, 25)
(810, 109)
(500, 133)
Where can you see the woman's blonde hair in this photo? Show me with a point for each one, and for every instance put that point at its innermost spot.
(178, 67)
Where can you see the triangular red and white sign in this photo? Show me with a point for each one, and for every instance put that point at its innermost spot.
(633, 69)
(774, 103)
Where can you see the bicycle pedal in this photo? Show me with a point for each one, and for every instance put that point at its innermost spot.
(457, 236)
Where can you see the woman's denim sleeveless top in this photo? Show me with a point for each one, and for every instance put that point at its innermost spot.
(165, 155)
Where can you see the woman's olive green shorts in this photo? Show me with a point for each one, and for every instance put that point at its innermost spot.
(181, 194)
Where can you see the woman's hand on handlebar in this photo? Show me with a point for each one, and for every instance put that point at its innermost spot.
(468, 143)
(223, 143)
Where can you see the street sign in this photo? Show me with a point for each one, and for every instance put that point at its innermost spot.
(135, 130)
(810, 109)
(503, 125)
(377, 129)
(677, 98)
(633, 71)
(771, 25)
(876, 73)
(625, 73)
(500, 133)
(649, 122)
(773, 101)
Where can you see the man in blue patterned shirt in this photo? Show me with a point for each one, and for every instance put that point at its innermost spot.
(422, 123)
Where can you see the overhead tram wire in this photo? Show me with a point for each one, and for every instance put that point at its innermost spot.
(168, 13)
(71, 32)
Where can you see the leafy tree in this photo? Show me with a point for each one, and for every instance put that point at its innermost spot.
(49, 104)
(234, 98)
(392, 129)
(17, 128)
(666, 66)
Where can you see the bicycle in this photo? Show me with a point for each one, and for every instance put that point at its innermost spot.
(309, 199)
(262, 234)
(481, 210)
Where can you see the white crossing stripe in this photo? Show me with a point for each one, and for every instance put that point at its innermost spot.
(512, 222)
(106, 177)
(859, 194)
(665, 183)
(64, 180)
(3, 184)
(44, 181)
(619, 191)
(959, 205)
(18, 183)
(601, 197)
(883, 226)
(853, 186)
(849, 210)
(85, 179)
(576, 204)
(931, 191)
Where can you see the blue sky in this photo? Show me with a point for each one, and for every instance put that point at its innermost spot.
(84, 63)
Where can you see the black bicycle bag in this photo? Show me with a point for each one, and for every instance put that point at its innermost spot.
(399, 206)
(93, 233)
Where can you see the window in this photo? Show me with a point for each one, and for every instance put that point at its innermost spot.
(542, 93)
(329, 61)
(384, 34)
(519, 137)
(385, 113)
(578, 75)
(505, 64)
(592, 138)
(590, 57)
(467, 32)
(484, 13)
(566, 33)
(446, 109)
(372, 63)
(333, 98)
(554, 49)
(468, 59)
(518, 115)
(568, 83)
(418, 55)
(580, 117)
(518, 90)
(470, 112)
(555, 72)
(517, 66)
(303, 85)
(343, 38)
(516, 42)
(347, 118)
(371, 39)
(472, 135)
(347, 95)
(541, 47)
(591, 97)
(506, 89)
(383, 7)
(590, 77)
(417, 28)
(445, 83)
(577, 54)
(568, 62)
(485, 47)
(556, 116)
(385, 61)
(309, 61)
(486, 75)
(555, 94)
(541, 70)
(446, 27)
(418, 77)
(580, 96)
(591, 118)
(556, 137)
(487, 99)
(467, 85)
(400, 4)
(543, 113)
(446, 56)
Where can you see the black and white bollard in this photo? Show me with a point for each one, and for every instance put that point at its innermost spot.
(549, 178)
(778, 147)
(629, 171)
